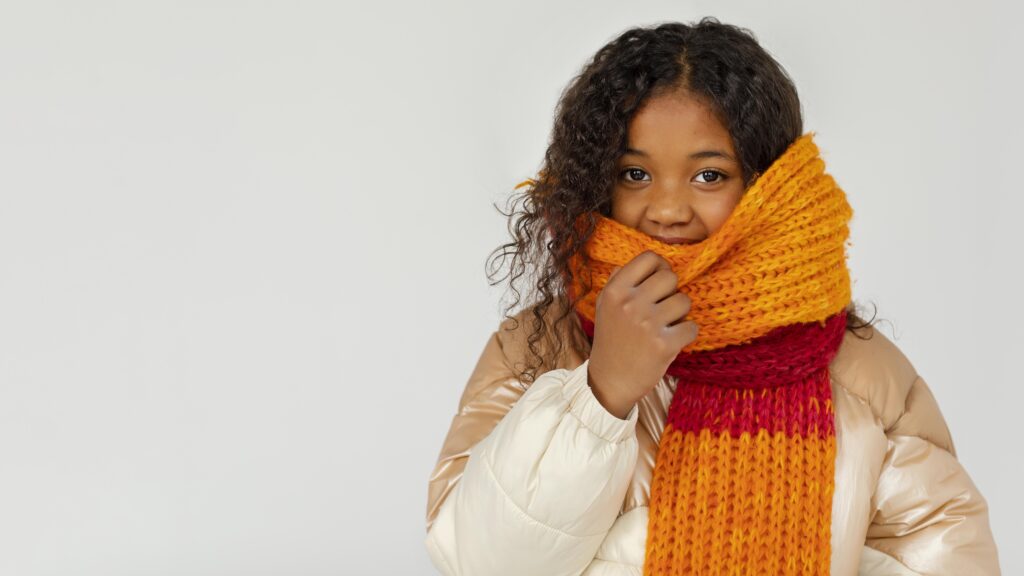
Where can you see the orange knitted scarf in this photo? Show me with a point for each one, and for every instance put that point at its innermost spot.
(743, 479)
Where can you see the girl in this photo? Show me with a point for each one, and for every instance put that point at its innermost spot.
(691, 390)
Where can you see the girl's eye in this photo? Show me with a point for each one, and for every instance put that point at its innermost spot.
(718, 176)
(635, 174)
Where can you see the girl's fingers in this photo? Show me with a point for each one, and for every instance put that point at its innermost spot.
(642, 266)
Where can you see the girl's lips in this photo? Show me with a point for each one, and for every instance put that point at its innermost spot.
(676, 240)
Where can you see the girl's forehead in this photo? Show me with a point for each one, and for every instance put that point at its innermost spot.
(678, 127)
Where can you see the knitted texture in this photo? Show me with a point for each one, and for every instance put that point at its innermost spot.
(743, 479)
(779, 258)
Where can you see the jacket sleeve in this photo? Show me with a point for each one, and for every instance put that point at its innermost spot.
(527, 482)
(929, 517)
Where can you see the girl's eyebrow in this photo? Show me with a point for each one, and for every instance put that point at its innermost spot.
(695, 155)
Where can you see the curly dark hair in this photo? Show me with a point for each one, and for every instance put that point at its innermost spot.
(721, 64)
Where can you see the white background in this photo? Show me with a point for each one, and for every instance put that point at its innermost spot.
(242, 252)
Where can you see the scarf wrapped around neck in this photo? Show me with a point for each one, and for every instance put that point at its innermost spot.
(743, 479)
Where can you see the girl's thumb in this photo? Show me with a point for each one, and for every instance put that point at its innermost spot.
(614, 270)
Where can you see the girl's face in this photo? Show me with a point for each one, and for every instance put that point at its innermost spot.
(679, 178)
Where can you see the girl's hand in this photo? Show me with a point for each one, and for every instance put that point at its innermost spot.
(638, 330)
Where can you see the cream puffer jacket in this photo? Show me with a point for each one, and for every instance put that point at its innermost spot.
(548, 482)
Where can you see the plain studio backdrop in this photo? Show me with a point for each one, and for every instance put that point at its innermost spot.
(242, 251)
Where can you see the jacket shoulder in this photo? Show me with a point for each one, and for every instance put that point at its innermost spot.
(871, 367)
(493, 387)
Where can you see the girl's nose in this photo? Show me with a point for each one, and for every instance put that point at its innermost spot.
(669, 207)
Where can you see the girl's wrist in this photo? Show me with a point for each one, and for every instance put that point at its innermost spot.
(618, 407)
